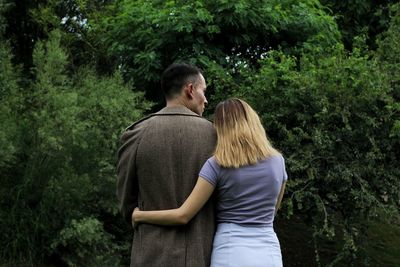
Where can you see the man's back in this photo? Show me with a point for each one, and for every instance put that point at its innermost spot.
(168, 150)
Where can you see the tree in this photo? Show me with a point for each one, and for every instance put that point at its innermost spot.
(60, 190)
(36, 19)
(146, 36)
(358, 17)
(336, 117)
(329, 100)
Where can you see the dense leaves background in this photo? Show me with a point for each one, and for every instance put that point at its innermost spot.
(323, 75)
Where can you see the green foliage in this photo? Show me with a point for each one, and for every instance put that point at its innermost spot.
(389, 53)
(64, 179)
(4, 6)
(146, 36)
(9, 91)
(359, 17)
(333, 112)
(385, 250)
(333, 118)
(85, 243)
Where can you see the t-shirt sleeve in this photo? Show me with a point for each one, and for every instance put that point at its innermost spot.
(285, 176)
(209, 171)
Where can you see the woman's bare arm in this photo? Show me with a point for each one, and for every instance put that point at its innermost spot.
(182, 215)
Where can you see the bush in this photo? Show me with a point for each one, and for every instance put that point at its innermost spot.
(86, 243)
(62, 180)
(334, 117)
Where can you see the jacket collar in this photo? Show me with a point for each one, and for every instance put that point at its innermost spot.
(177, 110)
(167, 111)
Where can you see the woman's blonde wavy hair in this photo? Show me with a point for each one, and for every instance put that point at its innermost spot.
(241, 137)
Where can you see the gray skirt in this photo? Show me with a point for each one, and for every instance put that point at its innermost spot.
(242, 246)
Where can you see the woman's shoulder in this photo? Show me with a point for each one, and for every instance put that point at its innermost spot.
(211, 160)
(275, 159)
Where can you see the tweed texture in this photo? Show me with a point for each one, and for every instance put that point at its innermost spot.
(158, 165)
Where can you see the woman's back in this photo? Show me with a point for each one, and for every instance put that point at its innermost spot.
(246, 195)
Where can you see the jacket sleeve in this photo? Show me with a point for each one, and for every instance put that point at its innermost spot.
(127, 185)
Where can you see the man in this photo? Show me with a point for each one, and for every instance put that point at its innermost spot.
(159, 161)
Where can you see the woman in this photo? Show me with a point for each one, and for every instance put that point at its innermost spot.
(249, 176)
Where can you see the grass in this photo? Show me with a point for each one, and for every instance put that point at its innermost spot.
(383, 244)
(380, 246)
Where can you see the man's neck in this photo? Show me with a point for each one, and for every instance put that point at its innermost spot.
(176, 103)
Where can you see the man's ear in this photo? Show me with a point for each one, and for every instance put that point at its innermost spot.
(189, 90)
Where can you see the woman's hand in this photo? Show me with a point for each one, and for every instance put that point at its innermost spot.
(134, 221)
(182, 215)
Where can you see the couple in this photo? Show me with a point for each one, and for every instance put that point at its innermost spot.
(195, 200)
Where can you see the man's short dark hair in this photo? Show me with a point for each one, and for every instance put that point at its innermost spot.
(176, 76)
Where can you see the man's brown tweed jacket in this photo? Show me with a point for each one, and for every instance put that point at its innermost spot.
(158, 165)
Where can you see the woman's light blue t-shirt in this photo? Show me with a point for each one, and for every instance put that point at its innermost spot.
(246, 195)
